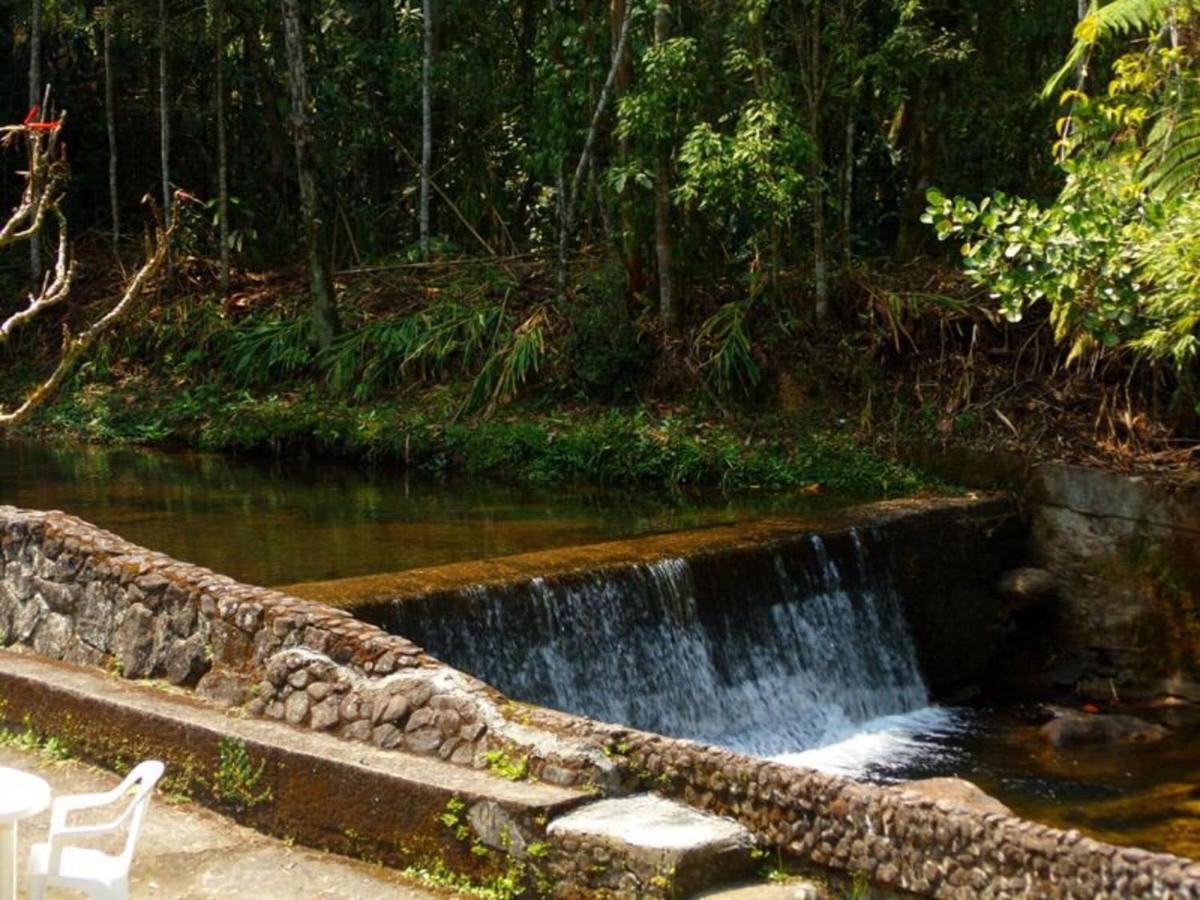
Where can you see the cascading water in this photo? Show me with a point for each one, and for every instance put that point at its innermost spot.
(796, 654)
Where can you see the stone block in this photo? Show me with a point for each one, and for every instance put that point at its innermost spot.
(670, 848)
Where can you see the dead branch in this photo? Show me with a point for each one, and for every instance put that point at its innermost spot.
(41, 197)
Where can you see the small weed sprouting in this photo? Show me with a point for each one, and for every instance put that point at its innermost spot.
(452, 818)
(53, 749)
(237, 780)
(500, 763)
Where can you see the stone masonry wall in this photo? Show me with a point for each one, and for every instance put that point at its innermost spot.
(73, 592)
(901, 840)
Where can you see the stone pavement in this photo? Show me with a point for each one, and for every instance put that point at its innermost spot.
(188, 852)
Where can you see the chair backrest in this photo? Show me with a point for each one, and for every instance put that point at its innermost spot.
(141, 781)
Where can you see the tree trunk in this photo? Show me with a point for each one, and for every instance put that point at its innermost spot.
(815, 99)
(110, 121)
(164, 111)
(848, 178)
(667, 302)
(222, 148)
(266, 87)
(635, 276)
(567, 203)
(320, 277)
(426, 123)
(35, 97)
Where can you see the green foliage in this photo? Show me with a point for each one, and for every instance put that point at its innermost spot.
(517, 356)
(267, 350)
(237, 780)
(605, 352)
(729, 354)
(754, 172)
(500, 763)
(1113, 258)
(51, 748)
(422, 346)
(1117, 18)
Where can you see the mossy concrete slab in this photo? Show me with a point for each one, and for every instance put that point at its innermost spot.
(333, 794)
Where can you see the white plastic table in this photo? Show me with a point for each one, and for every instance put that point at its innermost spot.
(21, 795)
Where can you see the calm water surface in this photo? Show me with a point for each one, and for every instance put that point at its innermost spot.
(283, 522)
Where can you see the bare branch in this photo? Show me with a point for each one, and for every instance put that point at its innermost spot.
(41, 197)
(75, 346)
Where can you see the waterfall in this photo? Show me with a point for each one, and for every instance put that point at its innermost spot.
(794, 654)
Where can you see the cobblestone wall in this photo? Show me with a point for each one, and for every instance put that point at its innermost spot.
(73, 592)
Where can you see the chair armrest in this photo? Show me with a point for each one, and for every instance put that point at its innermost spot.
(62, 807)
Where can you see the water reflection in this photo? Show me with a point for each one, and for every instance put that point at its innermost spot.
(286, 521)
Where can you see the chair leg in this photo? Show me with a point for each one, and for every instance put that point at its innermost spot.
(117, 890)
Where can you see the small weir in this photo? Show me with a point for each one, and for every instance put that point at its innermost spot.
(767, 652)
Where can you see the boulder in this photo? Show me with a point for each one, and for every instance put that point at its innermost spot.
(1073, 729)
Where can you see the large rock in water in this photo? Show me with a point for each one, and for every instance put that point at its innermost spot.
(957, 792)
(1074, 728)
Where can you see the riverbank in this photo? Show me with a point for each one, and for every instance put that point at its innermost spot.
(675, 446)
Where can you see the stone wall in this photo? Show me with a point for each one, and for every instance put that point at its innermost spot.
(1125, 555)
(900, 839)
(74, 592)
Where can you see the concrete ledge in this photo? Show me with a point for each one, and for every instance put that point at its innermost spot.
(323, 792)
(359, 594)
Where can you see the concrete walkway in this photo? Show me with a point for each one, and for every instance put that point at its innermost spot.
(187, 852)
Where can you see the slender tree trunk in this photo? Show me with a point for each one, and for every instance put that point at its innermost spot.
(324, 311)
(426, 123)
(847, 202)
(1082, 8)
(35, 97)
(635, 276)
(164, 111)
(110, 121)
(222, 147)
(664, 250)
(568, 203)
(815, 99)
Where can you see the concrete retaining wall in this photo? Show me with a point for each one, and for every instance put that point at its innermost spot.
(1125, 554)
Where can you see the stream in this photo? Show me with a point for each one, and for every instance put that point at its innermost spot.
(271, 523)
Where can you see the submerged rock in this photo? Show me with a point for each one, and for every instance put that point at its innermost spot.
(1074, 728)
(957, 792)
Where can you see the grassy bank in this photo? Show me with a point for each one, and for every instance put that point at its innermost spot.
(537, 442)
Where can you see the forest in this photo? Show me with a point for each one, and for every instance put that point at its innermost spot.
(748, 242)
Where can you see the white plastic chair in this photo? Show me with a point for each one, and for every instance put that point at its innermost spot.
(102, 876)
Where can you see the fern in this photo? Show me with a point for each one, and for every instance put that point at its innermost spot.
(1115, 19)
(1172, 161)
